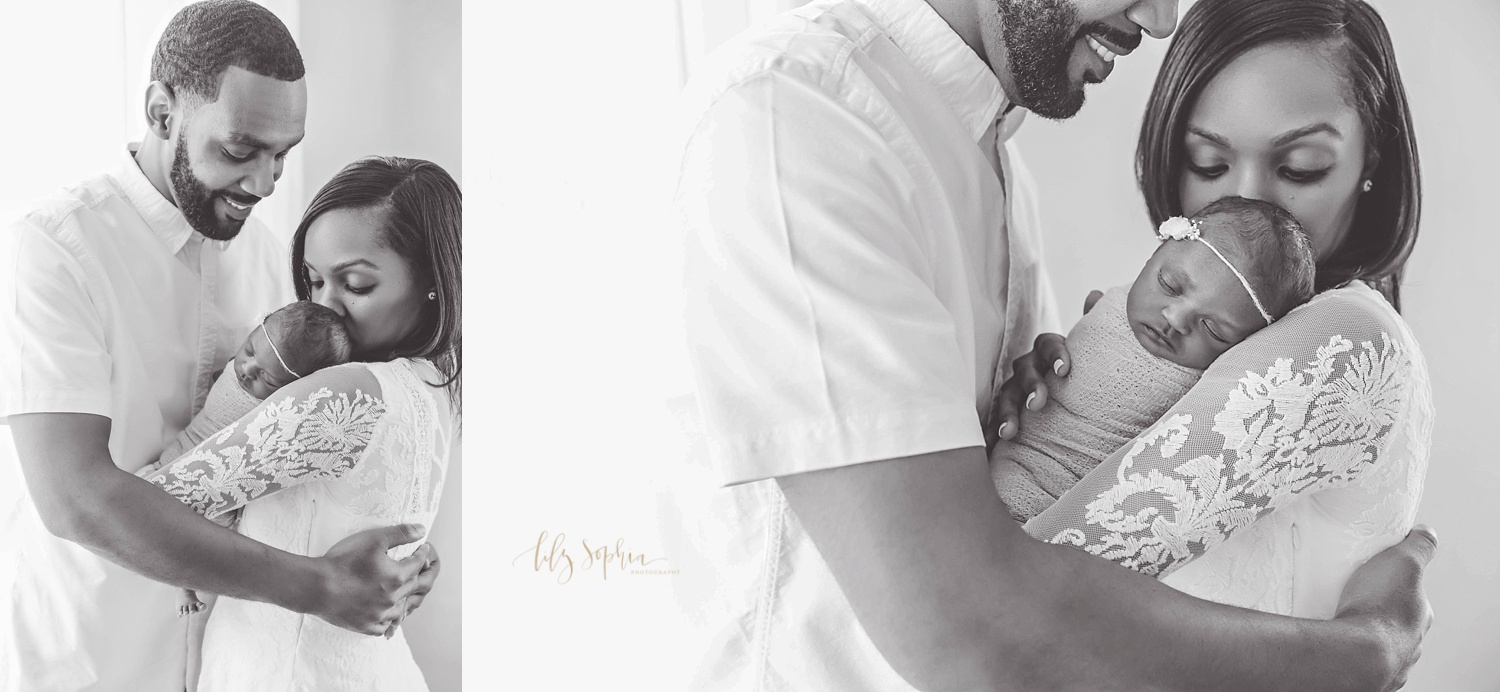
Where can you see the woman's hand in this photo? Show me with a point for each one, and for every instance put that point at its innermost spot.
(1027, 386)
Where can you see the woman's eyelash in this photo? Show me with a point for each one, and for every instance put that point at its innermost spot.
(1301, 176)
(1207, 171)
(1209, 328)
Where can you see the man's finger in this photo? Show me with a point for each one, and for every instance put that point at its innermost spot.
(1422, 543)
(414, 601)
(412, 565)
(391, 536)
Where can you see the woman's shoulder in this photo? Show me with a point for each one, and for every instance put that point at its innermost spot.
(351, 379)
(1355, 311)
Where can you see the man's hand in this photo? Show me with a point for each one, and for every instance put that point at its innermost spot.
(367, 591)
(425, 579)
(1386, 593)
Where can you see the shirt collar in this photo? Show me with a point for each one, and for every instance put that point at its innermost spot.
(164, 218)
(962, 79)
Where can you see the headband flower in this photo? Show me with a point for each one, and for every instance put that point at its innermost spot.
(1179, 228)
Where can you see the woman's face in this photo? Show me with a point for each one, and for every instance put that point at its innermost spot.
(1275, 125)
(370, 285)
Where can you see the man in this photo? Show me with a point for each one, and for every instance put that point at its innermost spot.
(861, 244)
(127, 293)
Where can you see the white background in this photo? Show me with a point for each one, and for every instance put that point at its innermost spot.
(567, 115)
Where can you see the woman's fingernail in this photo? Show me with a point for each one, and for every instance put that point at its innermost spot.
(1029, 399)
(1003, 427)
(1057, 367)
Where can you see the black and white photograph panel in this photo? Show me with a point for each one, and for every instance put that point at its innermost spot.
(230, 346)
(1000, 344)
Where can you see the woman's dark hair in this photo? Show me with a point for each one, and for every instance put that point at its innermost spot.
(421, 207)
(1216, 32)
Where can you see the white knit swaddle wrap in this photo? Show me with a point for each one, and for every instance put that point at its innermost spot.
(1114, 390)
(227, 402)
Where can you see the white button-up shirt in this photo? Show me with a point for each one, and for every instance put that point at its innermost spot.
(111, 304)
(862, 263)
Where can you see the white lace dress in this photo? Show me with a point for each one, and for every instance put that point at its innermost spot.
(1299, 455)
(349, 448)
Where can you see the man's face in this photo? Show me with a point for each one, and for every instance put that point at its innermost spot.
(1045, 51)
(228, 154)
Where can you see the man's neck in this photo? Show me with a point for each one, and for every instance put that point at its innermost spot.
(962, 18)
(155, 161)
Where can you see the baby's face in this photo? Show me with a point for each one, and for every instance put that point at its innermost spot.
(259, 370)
(1187, 307)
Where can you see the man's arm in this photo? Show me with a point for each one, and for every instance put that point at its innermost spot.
(83, 497)
(957, 597)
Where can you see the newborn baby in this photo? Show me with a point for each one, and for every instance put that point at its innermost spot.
(296, 340)
(1217, 278)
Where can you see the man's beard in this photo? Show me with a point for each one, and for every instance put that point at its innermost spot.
(1039, 37)
(194, 198)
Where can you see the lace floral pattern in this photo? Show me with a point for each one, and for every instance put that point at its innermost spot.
(356, 447)
(1344, 420)
(291, 441)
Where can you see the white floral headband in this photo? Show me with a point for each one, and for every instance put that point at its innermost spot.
(294, 373)
(1180, 228)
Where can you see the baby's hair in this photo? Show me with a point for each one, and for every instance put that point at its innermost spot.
(311, 337)
(1267, 246)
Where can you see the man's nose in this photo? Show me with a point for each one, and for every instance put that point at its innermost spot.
(1158, 18)
(262, 180)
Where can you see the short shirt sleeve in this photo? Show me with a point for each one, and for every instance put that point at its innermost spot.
(815, 336)
(52, 339)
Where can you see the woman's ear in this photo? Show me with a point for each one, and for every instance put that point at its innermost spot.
(1372, 162)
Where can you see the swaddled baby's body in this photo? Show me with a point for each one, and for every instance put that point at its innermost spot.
(1114, 391)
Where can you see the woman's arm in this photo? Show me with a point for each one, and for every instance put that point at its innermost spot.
(1308, 403)
(316, 428)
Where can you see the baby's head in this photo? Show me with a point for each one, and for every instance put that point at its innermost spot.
(289, 344)
(1188, 306)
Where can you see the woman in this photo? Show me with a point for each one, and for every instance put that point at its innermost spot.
(347, 448)
(1325, 416)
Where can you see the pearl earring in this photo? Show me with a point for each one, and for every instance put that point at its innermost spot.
(432, 295)
(1368, 184)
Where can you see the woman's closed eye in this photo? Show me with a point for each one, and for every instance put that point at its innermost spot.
(1206, 172)
(356, 290)
(1301, 176)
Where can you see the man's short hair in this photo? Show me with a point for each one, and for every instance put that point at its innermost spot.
(206, 38)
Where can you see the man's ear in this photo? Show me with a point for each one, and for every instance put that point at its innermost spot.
(160, 103)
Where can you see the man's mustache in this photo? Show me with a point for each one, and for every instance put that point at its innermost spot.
(242, 200)
(1128, 40)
